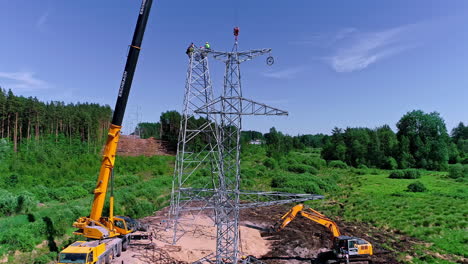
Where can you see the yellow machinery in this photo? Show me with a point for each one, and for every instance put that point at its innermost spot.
(344, 247)
(109, 236)
(95, 226)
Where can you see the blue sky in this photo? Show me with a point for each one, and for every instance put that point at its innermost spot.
(337, 63)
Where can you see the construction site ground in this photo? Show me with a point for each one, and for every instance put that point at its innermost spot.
(130, 145)
(300, 242)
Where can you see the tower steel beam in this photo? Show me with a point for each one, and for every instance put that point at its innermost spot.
(207, 175)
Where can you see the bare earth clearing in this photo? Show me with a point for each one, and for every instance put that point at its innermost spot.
(300, 242)
(135, 146)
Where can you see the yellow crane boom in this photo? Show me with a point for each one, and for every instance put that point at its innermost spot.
(96, 226)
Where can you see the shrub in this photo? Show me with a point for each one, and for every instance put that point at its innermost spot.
(458, 171)
(362, 167)
(391, 164)
(248, 174)
(398, 174)
(337, 164)
(302, 183)
(65, 194)
(25, 202)
(412, 174)
(297, 168)
(301, 168)
(8, 203)
(417, 187)
(270, 163)
(405, 174)
(315, 162)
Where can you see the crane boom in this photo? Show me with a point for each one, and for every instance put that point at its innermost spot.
(114, 131)
(95, 226)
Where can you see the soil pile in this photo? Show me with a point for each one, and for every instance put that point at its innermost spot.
(300, 242)
(135, 146)
(303, 240)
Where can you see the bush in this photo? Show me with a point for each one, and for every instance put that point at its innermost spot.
(362, 167)
(412, 174)
(405, 174)
(64, 194)
(270, 163)
(301, 168)
(417, 187)
(302, 183)
(458, 170)
(25, 202)
(315, 162)
(8, 203)
(337, 164)
(391, 164)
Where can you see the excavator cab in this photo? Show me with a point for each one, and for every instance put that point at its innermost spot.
(351, 246)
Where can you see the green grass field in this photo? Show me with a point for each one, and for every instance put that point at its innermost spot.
(437, 217)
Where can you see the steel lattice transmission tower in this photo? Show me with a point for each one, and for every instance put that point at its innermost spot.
(196, 147)
(207, 174)
(230, 107)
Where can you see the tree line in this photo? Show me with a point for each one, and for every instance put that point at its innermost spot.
(422, 141)
(26, 119)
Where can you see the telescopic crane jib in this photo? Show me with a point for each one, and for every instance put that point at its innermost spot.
(96, 226)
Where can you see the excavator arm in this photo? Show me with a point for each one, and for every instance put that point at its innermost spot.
(319, 218)
(288, 218)
(343, 245)
(95, 226)
(310, 214)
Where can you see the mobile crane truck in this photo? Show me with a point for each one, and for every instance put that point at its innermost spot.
(108, 236)
(345, 249)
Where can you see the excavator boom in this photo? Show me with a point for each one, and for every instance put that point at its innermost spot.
(323, 220)
(344, 246)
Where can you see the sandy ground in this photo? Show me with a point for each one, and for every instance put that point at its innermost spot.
(198, 241)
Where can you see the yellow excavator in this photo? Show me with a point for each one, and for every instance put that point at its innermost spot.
(345, 249)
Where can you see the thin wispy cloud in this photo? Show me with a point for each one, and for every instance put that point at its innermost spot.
(288, 73)
(350, 49)
(25, 81)
(355, 50)
(42, 20)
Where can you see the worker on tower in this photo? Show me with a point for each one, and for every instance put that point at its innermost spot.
(207, 46)
(190, 50)
(236, 32)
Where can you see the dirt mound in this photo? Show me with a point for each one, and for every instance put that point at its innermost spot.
(303, 240)
(300, 242)
(135, 146)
